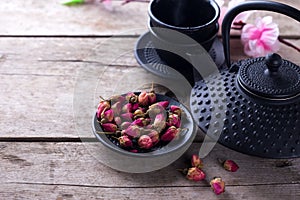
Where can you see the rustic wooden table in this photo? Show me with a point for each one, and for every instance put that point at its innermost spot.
(45, 48)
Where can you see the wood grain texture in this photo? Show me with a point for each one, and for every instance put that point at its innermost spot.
(39, 78)
(51, 18)
(67, 192)
(80, 164)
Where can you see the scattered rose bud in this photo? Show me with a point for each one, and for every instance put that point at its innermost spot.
(154, 135)
(107, 116)
(117, 107)
(176, 110)
(145, 142)
(159, 122)
(127, 108)
(230, 165)
(125, 125)
(109, 127)
(125, 141)
(103, 106)
(132, 98)
(127, 117)
(195, 174)
(133, 131)
(174, 120)
(143, 99)
(217, 185)
(170, 134)
(196, 161)
(152, 97)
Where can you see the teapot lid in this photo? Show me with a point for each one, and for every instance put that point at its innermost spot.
(270, 77)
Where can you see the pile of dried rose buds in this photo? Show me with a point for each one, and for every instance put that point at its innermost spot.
(196, 173)
(138, 122)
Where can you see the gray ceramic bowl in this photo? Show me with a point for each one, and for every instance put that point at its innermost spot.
(123, 160)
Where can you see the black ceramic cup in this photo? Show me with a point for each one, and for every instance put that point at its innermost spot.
(196, 19)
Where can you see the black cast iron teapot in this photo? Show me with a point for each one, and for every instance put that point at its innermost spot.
(252, 106)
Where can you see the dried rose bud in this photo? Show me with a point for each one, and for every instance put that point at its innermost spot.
(149, 126)
(174, 120)
(154, 135)
(125, 125)
(135, 106)
(107, 116)
(134, 151)
(117, 98)
(109, 127)
(127, 108)
(138, 113)
(195, 174)
(127, 117)
(159, 122)
(155, 109)
(133, 131)
(102, 107)
(196, 161)
(141, 122)
(176, 110)
(143, 99)
(145, 142)
(138, 122)
(170, 134)
(116, 107)
(118, 120)
(125, 141)
(230, 165)
(132, 98)
(217, 185)
(164, 104)
(152, 97)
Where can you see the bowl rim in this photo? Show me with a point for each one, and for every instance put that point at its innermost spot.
(189, 135)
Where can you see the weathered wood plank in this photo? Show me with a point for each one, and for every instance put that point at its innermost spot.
(38, 77)
(74, 164)
(68, 192)
(51, 18)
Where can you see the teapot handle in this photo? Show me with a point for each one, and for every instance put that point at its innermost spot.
(252, 5)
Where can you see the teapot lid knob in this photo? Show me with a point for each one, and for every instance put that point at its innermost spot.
(273, 62)
(270, 77)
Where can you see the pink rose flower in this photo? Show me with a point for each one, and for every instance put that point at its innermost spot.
(261, 38)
